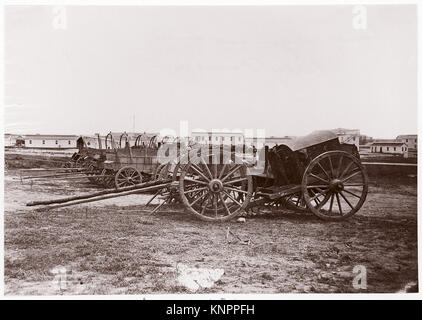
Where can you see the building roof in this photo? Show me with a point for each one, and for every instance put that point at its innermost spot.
(407, 136)
(217, 132)
(50, 136)
(388, 142)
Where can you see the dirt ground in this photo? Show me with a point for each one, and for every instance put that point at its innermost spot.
(117, 247)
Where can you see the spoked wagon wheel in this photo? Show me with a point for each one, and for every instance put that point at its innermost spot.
(334, 185)
(127, 176)
(215, 192)
(93, 171)
(107, 178)
(68, 164)
(296, 202)
(162, 172)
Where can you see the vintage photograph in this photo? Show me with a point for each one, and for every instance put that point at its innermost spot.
(210, 149)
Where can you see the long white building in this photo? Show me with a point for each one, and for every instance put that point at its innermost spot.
(50, 141)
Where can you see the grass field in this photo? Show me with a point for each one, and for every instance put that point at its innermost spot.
(116, 247)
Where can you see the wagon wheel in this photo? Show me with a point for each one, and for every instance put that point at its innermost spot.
(68, 164)
(80, 162)
(156, 173)
(334, 185)
(165, 171)
(92, 170)
(215, 192)
(107, 179)
(296, 202)
(127, 176)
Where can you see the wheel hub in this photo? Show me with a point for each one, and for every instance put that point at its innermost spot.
(215, 185)
(336, 185)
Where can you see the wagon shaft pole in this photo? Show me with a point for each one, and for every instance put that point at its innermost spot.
(74, 178)
(158, 184)
(103, 197)
(52, 169)
(54, 175)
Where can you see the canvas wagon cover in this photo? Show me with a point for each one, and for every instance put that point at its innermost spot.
(311, 139)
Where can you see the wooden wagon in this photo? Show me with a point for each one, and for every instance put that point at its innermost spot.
(315, 173)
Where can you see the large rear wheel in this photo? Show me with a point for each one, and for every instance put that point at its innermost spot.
(215, 192)
(334, 185)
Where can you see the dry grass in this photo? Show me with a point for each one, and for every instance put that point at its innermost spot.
(112, 249)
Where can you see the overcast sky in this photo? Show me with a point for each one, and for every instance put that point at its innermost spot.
(288, 70)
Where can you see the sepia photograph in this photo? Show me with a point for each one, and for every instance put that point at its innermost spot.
(210, 150)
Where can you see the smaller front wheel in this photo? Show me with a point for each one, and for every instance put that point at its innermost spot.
(127, 176)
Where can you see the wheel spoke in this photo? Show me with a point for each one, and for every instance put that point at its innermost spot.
(354, 184)
(222, 171)
(237, 167)
(315, 197)
(206, 167)
(236, 180)
(345, 199)
(199, 198)
(317, 186)
(325, 171)
(319, 178)
(215, 169)
(196, 190)
(353, 194)
(202, 204)
(351, 176)
(331, 166)
(215, 200)
(198, 171)
(339, 204)
(236, 190)
(196, 181)
(224, 203)
(339, 165)
(346, 170)
(232, 199)
(331, 203)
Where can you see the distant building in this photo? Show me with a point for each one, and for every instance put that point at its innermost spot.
(365, 148)
(350, 136)
(410, 139)
(13, 140)
(50, 141)
(365, 140)
(390, 146)
(218, 137)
